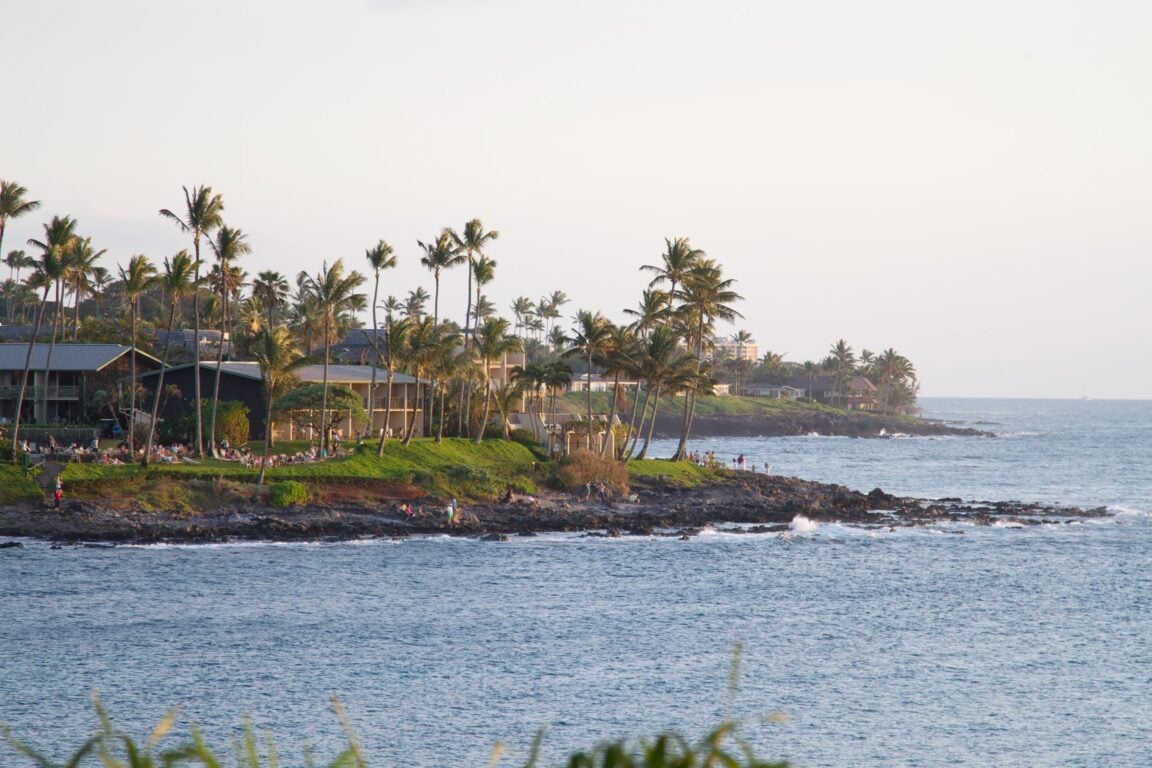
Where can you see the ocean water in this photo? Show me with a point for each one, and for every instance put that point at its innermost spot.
(940, 646)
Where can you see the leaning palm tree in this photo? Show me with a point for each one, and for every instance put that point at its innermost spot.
(59, 238)
(178, 281)
(138, 278)
(589, 340)
(334, 295)
(621, 351)
(380, 257)
(13, 205)
(202, 215)
(228, 245)
(493, 340)
(278, 355)
(51, 264)
(706, 296)
(439, 255)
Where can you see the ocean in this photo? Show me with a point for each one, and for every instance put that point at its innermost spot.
(938, 646)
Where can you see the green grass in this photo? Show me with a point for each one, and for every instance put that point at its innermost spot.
(15, 488)
(705, 406)
(453, 467)
(682, 473)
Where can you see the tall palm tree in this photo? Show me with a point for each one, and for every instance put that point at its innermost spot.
(844, 365)
(621, 351)
(521, 307)
(396, 330)
(60, 238)
(679, 259)
(471, 243)
(59, 235)
(493, 341)
(270, 288)
(229, 244)
(335, 296)
(138, 278)
(278, 355)
(380, 257)
(13, 205)
(178, 281)
(652, 309)
(705, 296)
(81, 273)
(589, 339)
(439, 255)
(202, 215)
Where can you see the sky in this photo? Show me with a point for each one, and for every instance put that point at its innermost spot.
(969, 183)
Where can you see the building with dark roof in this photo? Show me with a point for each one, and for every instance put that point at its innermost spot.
(61, 390)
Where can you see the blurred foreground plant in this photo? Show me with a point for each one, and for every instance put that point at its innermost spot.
(111, 749)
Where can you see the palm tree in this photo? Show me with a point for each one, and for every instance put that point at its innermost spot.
(620, 356)
(202, 215)
(521, 307)
(811, 370)
(229, 244)
(13, 205)
(663, 366)
(678, 260)
(396, 331)
(82, 271)
(589, 338)
(58, 239)
(278, 355)
(335, 297)
(380, 256)
(652, 309)
(705, 295)
(415, 303)
(178, 281)
(139, 277)
(472, 245)
(440, 255)
(493, 341)
(270, 288)
(844, 365)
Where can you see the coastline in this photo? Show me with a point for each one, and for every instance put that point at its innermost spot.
(740, 502)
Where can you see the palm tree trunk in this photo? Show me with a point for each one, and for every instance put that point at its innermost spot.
(267, 433)
(219, 368)
(651, 426)
(376, 362)
(387, 413)
(159, 388)
(611, 414)
(324, 395)
(588, 388)
(196, 352)
(51, 349)
(633, 428)
(27, 367)
(415, 407)
(132, 390)
(487, 408)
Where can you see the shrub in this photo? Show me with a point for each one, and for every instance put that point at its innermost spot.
(289, 493)
(582, 467)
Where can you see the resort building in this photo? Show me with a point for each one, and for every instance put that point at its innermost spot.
(71, 387)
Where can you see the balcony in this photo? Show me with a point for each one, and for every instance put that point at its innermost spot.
(54, 392)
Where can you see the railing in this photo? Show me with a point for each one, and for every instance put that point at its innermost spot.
(35, 393)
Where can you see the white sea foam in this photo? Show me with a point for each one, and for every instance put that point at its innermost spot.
(801, 524)
(1121, 510)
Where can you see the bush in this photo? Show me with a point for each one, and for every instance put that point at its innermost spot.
(288, 494)
(583, 467)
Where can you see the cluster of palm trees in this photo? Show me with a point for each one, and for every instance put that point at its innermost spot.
(893, 374)
(666, 344)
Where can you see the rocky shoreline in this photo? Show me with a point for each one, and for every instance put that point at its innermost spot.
(744, 502)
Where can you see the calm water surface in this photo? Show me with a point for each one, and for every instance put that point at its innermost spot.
(940, 646)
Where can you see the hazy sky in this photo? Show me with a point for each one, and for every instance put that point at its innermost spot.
(967, 182)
